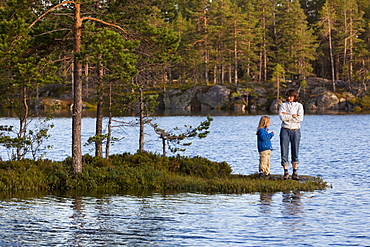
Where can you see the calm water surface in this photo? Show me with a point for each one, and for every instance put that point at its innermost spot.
(334, 147)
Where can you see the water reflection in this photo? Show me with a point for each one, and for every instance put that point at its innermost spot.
(6, 195)
(337, 216)
(78, 221)
(91, 113)
(265, 202)
(292, 203)
(293, 218)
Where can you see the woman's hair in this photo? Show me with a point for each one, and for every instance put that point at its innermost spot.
(264, 121)
(292, 92)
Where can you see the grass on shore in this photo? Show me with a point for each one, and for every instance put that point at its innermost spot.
(146, 171)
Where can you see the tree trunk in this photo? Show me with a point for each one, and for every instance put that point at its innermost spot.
(77, 98)
(109, 137)
(264, 62)
(215, 74)
(87, 80)
(235, 56)
(206, 67)
(206, 51)
(260, 68)
(141, 120)
(164, 146)
(99, 128)
(223, 71)
(230, 74)
(99, 115)
(23, 120)
(277, 89)
(350, 55)
(332, 61)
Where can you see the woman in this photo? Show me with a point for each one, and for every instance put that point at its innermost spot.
(291, 114)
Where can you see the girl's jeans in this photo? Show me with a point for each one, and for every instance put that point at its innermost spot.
(293, 138)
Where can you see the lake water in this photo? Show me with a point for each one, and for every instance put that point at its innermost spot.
(334, 147)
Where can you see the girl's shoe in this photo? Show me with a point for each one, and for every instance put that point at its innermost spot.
(286, 175)
(295, 176)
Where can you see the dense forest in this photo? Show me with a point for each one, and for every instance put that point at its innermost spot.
(159, 43)
(124, 52)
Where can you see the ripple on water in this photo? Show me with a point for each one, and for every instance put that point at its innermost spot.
(337, 216)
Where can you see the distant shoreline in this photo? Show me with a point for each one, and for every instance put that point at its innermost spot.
(91, 113)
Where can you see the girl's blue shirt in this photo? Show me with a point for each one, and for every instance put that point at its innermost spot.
(264, 140)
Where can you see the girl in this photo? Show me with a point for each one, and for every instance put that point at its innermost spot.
(264, 146)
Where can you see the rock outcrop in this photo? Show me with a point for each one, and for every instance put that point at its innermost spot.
(327, 100)
(199, 97)
(216, 97)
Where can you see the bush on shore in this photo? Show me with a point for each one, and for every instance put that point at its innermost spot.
(141, 171)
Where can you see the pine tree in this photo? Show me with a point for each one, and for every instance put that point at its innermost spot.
(218, 37)
(190, 68)
(266, 16)
(327, 26)
(23, 70)
(278, 78)
(156, 51)
(350, 26)
(197, 14)
(295, 40)
(248, 38)
(114, 61)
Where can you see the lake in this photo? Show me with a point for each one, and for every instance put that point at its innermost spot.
(334, 147)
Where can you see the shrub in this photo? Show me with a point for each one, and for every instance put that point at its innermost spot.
(357, 109)
(202, 167)
(365, 102)
(354, 100)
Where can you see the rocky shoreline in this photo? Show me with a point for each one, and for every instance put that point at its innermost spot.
(316, 96)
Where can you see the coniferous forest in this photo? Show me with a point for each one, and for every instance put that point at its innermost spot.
(139, 44)
(118, 53)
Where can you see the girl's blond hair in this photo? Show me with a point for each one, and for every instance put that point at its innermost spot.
(264, 121)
